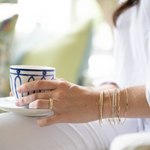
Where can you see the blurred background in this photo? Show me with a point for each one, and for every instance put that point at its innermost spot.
(74, 36)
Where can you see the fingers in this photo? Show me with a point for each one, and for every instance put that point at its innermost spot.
(38, 85)
(39, 101)
(11, 94)
(61, 79)
(45, 104)
(30, 98)
(40, 104)
(54, 119)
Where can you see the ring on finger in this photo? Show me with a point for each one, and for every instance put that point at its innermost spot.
(51, 103)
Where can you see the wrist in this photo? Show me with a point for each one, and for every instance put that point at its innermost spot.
(108, 107)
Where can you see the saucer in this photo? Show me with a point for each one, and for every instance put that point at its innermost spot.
(8, 104)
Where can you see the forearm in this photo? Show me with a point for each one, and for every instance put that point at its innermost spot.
(138, 106)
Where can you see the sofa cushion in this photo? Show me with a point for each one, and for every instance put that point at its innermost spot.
(68, 54)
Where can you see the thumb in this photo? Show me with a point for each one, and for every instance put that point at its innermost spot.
(50, 120)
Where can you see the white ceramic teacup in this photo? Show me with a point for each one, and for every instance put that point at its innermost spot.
(20, 74)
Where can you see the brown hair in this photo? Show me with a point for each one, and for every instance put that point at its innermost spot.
(123, 7)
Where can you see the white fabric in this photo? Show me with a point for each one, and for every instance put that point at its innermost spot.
(22, 133)
(131, 46)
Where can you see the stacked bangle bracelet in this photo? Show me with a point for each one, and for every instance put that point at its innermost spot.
(126, 107)
(119, 108)
(101, 108)
(115, 108)
(109, 120)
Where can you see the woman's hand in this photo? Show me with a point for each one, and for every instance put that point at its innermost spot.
(71, 103)
(11, 94)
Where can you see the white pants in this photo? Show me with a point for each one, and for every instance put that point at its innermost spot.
(22, 133)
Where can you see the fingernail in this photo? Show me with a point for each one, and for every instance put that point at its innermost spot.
(19, 90)
(11, 94)
(17, 103)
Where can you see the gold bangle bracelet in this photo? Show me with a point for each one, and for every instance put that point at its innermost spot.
(101, 108)
(115, 109)
(126, 107)
(113, 103)
(119, 108)
(109, 120)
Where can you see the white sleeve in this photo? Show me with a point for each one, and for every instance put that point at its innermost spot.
(111, 78)
(148, 93)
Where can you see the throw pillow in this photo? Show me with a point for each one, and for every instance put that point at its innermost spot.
(69, 54)
(23, 45)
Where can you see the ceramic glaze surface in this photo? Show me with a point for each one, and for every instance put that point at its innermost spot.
(24, 74)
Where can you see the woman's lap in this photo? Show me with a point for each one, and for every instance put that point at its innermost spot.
(20, 132)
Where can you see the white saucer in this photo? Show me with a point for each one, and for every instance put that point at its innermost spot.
(8, 104)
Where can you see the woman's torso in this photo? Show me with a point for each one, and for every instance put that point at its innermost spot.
(132, 39)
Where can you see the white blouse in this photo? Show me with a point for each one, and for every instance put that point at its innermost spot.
(132, 51)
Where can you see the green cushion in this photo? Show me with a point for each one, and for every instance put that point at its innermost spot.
(69, 54)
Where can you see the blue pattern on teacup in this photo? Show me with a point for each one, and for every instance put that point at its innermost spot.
(17, 77)
(16, 74)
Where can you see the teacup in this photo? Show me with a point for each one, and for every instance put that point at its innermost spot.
(20, 74)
